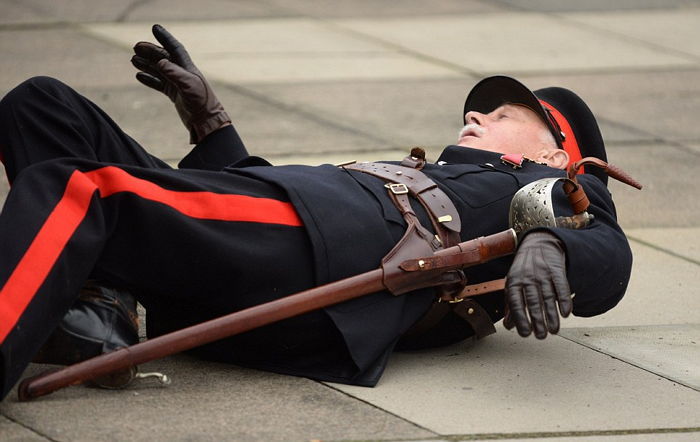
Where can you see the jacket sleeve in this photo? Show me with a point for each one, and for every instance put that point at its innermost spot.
(216, 151)
(599, 258)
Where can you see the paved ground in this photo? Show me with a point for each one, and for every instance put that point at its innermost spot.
(320, 81)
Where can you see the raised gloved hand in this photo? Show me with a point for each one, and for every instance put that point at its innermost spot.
(536, 286)
(170, 70)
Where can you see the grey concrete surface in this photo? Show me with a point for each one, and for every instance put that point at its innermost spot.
(209, 401)
(672, 351)
(311, 81)
(670, 240)
(13, 432)
(663, 289)
(515, 376)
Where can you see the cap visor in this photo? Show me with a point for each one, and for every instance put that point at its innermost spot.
(496, 91)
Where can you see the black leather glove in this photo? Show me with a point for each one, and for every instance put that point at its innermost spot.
(170, 70)
(536, 286)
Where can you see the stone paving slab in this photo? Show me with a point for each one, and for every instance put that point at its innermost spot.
(673, 30)
(18, 13)
(13, 432)
(298, 50)
(507, 384)
(597, 5)
(683, 242)
(392, 9)
(207, 401)
(689, 435)
(427, 112)
(71, 11)
(287, 67)
(671, 351)
(646, 106)
(524, 43)
(253, 36)
(154, 11)
(406, 113)
(667, 199)
(61, 53)
(663, 290)
(266, 125)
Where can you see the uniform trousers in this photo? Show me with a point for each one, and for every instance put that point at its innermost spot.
(87, 201)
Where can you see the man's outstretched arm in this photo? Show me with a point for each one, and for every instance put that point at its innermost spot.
(170, 70)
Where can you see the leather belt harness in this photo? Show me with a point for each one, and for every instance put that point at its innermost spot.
(405, 181)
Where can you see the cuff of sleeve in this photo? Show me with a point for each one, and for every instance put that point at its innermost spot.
(216, 151)
(199, 130)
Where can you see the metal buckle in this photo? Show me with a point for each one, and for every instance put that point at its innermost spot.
(397, 188)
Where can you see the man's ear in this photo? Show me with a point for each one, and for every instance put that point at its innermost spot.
(557, 158)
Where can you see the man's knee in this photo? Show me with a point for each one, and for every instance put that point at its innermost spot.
(32, 90)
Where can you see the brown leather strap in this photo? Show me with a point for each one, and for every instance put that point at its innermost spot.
(405, 180)
(476, 316)
(402, 180)
(441, 307)
(416, 159)
(481, 289)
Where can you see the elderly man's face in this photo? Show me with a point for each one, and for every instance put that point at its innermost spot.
(508, 129)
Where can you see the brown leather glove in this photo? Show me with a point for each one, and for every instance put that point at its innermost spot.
(536, 286)
(170, 70)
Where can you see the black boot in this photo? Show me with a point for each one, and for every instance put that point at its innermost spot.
(101, 320)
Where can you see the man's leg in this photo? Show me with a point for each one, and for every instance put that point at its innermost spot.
(43, 119)
(208, 242)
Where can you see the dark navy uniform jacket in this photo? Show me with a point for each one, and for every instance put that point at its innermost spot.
(352, 224)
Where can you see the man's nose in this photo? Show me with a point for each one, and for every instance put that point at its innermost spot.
(475, 117)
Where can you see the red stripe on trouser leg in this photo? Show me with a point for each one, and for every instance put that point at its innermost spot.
(59, 227)
(204, 205)
(38, 260)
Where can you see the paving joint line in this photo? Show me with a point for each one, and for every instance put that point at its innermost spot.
(26, 427)
(650, 137)
(131, 7)
(546, 434)
(568, 17)
(309, 115)
(332, 23)
(664, 250)
(402, 49)
(37, 26)
(579, 71)
(657, 47)
(625, 361)
(537, 435)
(376, 407)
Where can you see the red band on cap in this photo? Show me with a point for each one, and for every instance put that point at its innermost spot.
(570, 144)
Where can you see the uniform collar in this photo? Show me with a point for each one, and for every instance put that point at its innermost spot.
(461, 155)
(467, 155)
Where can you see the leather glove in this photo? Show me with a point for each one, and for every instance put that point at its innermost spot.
(169, 69)
(536, 286)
